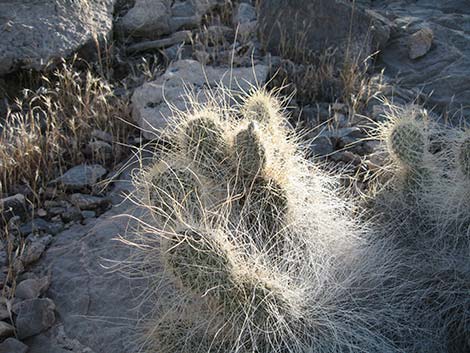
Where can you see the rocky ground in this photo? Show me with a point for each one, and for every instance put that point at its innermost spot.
(67, 295)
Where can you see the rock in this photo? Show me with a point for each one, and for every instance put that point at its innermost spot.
(343, 132)
(6, 330)
(88, 214)
(314, 26)
(31, 288)
(13, 206)
(95, 304)
(175, 38)
(149, 101)
(148, 18)
(81, 176)
(245, 13)
(420, 43)
(71, 214)
(12, 345)
(34, 248)
(444, 70)
(321, 146)
(64, 27)
(34, 316)
(100, 150)
(36, 225)
(102, 136)
(88, 202)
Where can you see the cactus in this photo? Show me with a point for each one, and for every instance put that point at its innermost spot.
(407, 144)
(172, 190)
(202, 262)
(261, 107)
(204, 142)
(463, 157)
(264, 210)
(249, 150)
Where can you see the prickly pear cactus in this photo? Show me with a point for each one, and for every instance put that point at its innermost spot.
(249, 151)
(463, 157)
(173, 190)
(204, 142)
(407, 143)
(202, 262)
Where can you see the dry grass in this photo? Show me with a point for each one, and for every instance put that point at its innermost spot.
(46, 131)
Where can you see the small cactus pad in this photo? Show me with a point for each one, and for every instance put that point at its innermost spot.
(464, 157)
(249, 150)
(265, 211)
(260, 107)
(204, 142)
(174, 189)
(201, 262)
(407, 144)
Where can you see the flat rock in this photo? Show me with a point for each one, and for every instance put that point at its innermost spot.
(148, 18)
(97, 306)
(34, 316)
(88, 202)
(150, 102)
(12, 345)
(33, 33)
(81, 176)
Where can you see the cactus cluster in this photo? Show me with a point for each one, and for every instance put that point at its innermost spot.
(425, 208)
(285, 268)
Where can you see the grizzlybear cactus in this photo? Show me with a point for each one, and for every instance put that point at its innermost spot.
(203, 141)
(249, 150)
(202, 261)
(173, 190)
(464, 157)
(406, 143)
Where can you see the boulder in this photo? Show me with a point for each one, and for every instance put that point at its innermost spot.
(33, 33)
(12, 345)
(444, 71)
(151, 102)
(298, 28)
(34, 316)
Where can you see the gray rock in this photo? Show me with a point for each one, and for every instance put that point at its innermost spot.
(71, 214)
(315, 25)
(176, 38)
(12, 345)
(34, 316)
(420, 43)
(148, 18)
(88, 214)
(149, 102)
(6, 330)
(88, 202)
(31, 288)
(321, 146)
(244, 13)
(100, 150)
(38, 225)
(96, 305)
(444, 70)
(81, 176)
(13, 206)
(102, 136)
(33, 33)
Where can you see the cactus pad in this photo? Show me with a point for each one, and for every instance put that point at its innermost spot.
(204, 143)
(249, 150)
(407, 144)
(464, 157)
